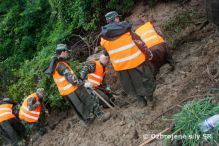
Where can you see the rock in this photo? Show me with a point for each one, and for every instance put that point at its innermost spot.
(122, 123)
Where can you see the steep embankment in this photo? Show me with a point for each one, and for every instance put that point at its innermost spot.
(196, 54)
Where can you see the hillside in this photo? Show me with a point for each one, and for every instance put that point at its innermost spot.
(196, 54)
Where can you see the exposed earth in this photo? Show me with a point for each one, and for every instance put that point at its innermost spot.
(197, 62)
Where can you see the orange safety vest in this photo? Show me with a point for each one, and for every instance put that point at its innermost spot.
(6, 112)
(64, 87)
(149, 35)
(123, 52)
(27, 115)
(96, 78)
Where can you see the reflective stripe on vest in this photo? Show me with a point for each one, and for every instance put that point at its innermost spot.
(95, 83)
(123, 52)
(122, 48)
(64, 87)
(149, 35)
(127, 58)
(33, 112)
(96, 78)
(6, 112)
(59, 80)
(27, 115)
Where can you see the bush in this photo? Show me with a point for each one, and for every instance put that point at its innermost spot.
(31, 75)
(29, 32)
(120, 6)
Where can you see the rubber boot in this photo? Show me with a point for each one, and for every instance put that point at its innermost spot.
(103, 116)
(152, 101)
(142, 102)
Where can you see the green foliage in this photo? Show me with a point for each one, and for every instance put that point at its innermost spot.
(120, 6)
(188, 119)
(29, 32)
(20, 25)
(153, 3)
(31, 76)
(176, 25)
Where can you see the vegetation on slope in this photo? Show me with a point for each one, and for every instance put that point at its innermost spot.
(29, 32)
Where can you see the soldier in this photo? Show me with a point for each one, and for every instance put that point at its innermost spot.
(95, 73)
(11, 128)
(154, 40)
(70, 87)
(31, 111)
(129, 57)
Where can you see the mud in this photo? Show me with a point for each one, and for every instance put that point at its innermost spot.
(196, 69)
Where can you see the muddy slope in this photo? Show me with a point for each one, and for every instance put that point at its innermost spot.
(197, 56)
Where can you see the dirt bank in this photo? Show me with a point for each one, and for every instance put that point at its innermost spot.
(197, 56)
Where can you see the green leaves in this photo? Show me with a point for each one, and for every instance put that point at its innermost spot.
(120, 6)
(29, 32)
(188, 119)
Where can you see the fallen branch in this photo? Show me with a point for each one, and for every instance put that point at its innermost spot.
(85, 41)
(151, 139)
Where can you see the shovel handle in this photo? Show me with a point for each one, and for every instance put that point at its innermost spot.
(103, 99)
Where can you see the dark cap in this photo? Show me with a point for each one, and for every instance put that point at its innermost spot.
(110, 16)
(61, 47)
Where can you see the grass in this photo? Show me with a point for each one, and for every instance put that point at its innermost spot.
(186, 123)
(174, 26)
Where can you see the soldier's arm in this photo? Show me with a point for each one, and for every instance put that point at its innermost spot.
(63, 70)
(157, 29)
(32, 103)
(141, 45)
(89, 68)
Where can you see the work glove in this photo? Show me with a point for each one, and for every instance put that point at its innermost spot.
(108, 88)
(88, 85)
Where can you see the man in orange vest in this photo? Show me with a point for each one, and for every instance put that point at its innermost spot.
(154, 40)
(11, 129)
(70, 86)
(31, 110)
(129, 57)
(95, 73)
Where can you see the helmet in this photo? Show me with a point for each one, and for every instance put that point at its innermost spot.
(110, 16)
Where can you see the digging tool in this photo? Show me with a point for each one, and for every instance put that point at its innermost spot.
(101, 98)
(110, 91)
(45, 109)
